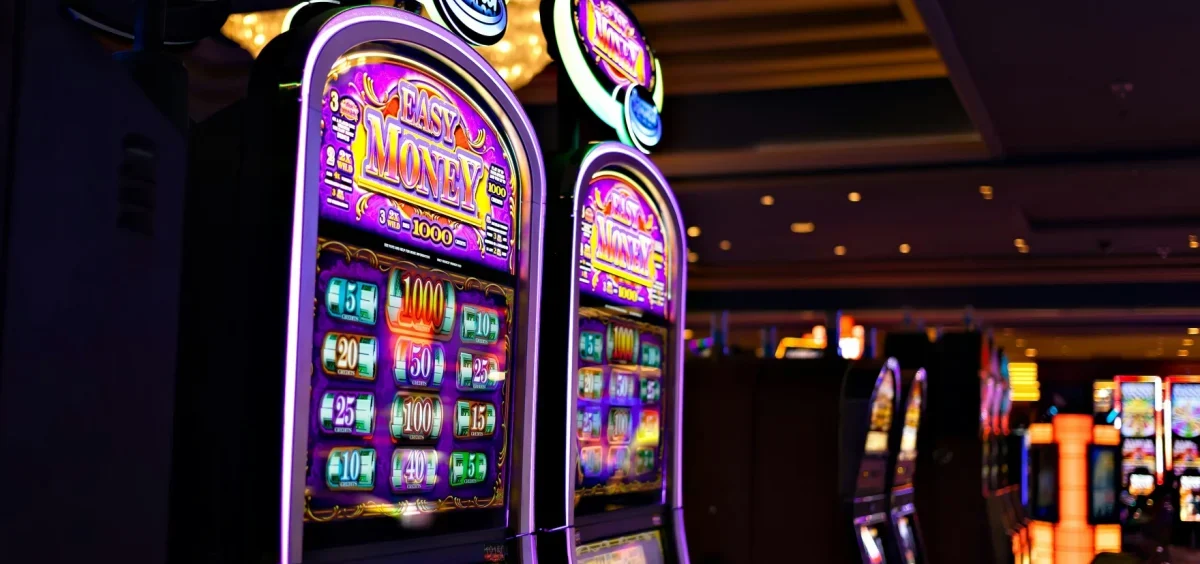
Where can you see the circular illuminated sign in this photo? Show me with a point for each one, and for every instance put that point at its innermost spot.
(607, 58)
(481, 22)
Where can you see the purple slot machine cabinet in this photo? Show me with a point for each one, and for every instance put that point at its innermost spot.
(913, 349)
(365, 276)
(612, 345)
(1181, 433)
(908, 545)
(870, 402)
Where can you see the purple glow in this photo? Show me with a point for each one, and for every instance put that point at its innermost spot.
(614, 44)
(416, 393)
(407, 156)
(624, 257)
(340, 34)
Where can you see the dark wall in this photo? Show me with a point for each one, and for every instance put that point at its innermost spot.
(87, 336)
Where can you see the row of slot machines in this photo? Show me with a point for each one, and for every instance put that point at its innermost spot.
(404, 333)
(971, 488)
(819, 457)
(1158, 419)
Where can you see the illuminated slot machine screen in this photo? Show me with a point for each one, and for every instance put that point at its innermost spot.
(872, 475)
(1139, 443)
(639, 548)
(409, 415)
(1189, 499)
(1185, 427)
(625, 255)
(872, 543)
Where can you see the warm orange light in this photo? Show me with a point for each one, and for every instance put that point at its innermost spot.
(1041, 542)
(1041, 433)
(1073, 537)
(1106, 435)
(1108, 538)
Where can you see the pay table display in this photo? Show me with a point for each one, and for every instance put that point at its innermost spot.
(619, 417)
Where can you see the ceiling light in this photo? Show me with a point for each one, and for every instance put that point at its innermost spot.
(1182, 352)
(904, 248)
(807, 227)
(692, 256)
(726, 245)
(1193, 330)
(688, 334)
(1024, 249)
(1031, 353)
(854, 196)
(693, 231)
(1188, 342)
(1193, 245)
(986, 192)
(839, 250)
(1018, 243)
(767, 200)
(515, 64)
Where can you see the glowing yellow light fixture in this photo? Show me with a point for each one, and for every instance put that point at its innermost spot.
(839, 250)
(518, 57)
(803, 227)
(692, 256)
(1023, 382)
(986, 192)
(725, 245)
(767, 200)
(1193, 331)
(688, 334)
(693, 231)
(854, 197)
(905, 248)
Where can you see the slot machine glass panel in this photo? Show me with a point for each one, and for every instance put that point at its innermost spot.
(412, 290)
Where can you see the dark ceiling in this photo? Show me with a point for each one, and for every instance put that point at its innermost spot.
(1079, 114)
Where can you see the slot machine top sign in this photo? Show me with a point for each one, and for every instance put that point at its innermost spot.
(607, 57)
(481, 22)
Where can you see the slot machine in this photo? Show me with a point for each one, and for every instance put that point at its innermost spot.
(1073, 487)
(363, 277)
(953, 488)
(615, 264)
(908, 545)
(1181, 429)
(1138, 400)
(870, 401)
(912, 349)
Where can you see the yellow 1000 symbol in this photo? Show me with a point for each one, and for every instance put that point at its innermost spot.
(422, 229)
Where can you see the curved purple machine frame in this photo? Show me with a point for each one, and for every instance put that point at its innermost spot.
(618, 156)
(339, 34)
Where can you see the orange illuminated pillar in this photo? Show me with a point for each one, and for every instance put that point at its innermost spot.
(1072, 538)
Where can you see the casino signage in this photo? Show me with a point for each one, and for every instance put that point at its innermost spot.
(412, 158)
(608, 59)
(624, 251)
(481, 22)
